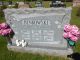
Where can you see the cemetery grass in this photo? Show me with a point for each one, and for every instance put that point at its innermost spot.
(75, 20)
(46, 4)
(5, 54)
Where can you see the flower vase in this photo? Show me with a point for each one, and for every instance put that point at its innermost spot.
(70, 42)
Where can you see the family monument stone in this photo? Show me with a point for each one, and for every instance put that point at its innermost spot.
(76, 3)
(41, 30)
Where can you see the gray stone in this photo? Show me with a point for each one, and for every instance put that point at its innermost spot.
(42, 51)
(43, 32)
(39, 5)
(1, 3)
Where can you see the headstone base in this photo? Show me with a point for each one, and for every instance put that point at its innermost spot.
(41, 51)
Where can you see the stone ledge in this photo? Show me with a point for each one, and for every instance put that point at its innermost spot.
(41, 51)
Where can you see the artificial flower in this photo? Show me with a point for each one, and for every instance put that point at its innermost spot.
(67, 28)
(4, 25)
(65, 35)
(74, 38)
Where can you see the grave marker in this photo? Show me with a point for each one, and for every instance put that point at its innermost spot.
(42, 32)
(76, 3)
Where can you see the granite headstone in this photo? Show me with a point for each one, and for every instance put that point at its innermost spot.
(76, 3)
(42, 29)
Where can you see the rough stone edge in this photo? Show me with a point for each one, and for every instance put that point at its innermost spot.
(41, 51)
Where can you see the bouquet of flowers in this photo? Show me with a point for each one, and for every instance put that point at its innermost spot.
(71, 34)
(5, 30)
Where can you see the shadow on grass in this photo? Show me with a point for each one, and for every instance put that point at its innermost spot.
(74, 56)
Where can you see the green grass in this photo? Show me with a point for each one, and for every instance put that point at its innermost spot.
(75, 19)
(68, 4)
(5, 54)
(2, 19)
(46, 4)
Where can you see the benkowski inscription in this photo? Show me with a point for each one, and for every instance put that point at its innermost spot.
(36, 22)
